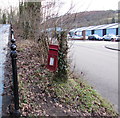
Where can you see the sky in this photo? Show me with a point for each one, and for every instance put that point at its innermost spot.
(79, 5)
(89, 5)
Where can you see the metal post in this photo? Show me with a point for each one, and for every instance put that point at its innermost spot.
(15, 80)
(13, 40)
(12, 31)
(12, 34)
(13, 47)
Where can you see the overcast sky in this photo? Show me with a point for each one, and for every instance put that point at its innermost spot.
(79, 5)
(88, 5)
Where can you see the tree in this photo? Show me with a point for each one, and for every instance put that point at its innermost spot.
(35, 20)
(30, 18)
(62, 73)
(61, 36)
(113, 20)
(4, 18)
(0, 13)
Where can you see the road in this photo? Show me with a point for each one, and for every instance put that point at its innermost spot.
(4, 33)
(98, 65)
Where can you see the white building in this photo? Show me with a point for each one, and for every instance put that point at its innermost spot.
(101, 30)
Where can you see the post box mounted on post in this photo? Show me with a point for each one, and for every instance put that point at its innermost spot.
(52, 63)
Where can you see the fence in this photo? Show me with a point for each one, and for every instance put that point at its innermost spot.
(13, 55)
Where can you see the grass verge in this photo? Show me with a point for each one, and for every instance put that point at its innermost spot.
(41, 96)
(83, 97)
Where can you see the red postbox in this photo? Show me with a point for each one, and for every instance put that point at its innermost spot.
(52, 64)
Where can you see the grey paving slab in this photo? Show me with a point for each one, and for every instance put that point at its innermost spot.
(4, 36)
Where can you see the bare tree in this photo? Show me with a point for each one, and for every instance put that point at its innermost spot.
(51, 11)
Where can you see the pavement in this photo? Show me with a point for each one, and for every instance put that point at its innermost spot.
(4, 35)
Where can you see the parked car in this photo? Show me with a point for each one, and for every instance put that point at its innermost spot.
(118, 38)
(77, 37)
(110, 37)
(94, 37)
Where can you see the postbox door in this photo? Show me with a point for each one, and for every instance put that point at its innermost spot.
(52, 62)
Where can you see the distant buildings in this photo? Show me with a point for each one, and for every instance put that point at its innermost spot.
(101, 30)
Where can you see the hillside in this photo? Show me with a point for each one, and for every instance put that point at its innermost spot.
(86, 18)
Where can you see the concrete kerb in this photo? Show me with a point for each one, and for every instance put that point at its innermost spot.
(112, 48)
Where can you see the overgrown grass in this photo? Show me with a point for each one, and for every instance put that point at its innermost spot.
(81, 96)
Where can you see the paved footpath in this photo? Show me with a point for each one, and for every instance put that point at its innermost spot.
(4, 36)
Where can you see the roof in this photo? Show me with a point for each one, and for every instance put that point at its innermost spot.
(105, 26)
(114, 26)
